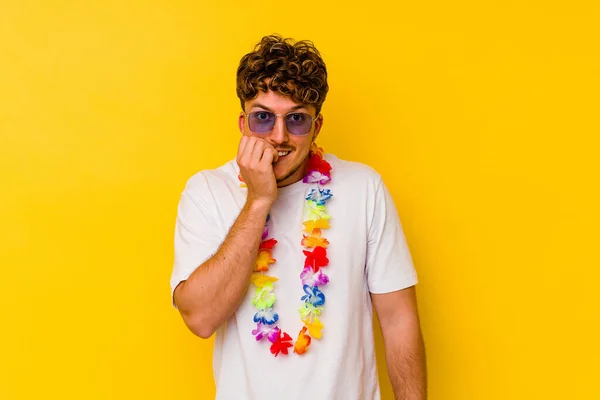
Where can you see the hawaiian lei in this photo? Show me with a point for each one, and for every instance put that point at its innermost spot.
(312, 276)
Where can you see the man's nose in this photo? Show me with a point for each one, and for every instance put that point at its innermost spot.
(279, 133)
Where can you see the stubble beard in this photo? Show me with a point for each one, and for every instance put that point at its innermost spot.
(294, 169)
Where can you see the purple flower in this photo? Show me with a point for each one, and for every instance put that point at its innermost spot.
(317, 177)
(311, 278)
(262, 330)
(266, 230)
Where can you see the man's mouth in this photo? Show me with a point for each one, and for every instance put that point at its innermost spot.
(282, 154)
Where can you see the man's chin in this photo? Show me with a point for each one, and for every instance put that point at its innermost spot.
(281, 171)
(286, 174)
(282, 180)
(287, 177)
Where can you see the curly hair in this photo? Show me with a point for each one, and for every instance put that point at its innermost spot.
(292, 69)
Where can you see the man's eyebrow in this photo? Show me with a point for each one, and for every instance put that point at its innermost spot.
(296, 107)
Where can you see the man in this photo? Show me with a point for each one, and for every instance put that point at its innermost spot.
(284, 251)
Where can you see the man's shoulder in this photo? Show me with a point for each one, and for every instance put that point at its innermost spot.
(207, 179)
(353, 171)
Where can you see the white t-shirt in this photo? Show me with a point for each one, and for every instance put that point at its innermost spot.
(367, 253)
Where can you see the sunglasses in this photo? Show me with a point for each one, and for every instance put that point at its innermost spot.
(298, 124)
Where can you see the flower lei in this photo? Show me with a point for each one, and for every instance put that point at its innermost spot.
(312, 276)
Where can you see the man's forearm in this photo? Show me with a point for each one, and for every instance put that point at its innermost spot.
(215, 289)
(405, 355)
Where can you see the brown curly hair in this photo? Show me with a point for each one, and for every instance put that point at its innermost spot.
(293, 69)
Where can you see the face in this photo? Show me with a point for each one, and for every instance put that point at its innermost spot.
(290, 167)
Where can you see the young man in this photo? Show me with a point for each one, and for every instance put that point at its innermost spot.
(284, 251)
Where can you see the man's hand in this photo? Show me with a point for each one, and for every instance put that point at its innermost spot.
(255, 158)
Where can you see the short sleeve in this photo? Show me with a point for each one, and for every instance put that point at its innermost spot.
(196, 235)
(389, 265)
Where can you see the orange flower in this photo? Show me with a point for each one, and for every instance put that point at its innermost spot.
(315, 240)
(263, 260)
(302, 342)
(315, 149)
(309, 226)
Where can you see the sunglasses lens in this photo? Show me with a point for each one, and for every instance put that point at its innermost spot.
(296, 123)
(261, 121)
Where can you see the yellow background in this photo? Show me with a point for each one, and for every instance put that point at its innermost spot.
(481, 116)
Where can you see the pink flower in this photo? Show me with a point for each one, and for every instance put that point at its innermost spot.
(262, 330)
(317, 177)
(311, 278)
(265, 232)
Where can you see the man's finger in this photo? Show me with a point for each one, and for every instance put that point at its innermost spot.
(246, 154)
(269, 156)
(257, 150)
(242, 144)
(274, 157)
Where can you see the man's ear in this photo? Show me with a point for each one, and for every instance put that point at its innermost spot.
(241, 121)
(318, 126)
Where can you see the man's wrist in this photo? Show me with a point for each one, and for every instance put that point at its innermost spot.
(258, 206)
